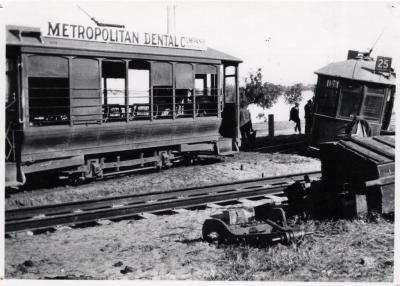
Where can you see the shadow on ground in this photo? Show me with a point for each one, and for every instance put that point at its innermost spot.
(286, 144)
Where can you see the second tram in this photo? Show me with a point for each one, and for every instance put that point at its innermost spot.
(360, 88)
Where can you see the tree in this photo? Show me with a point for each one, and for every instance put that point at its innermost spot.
(293, 93)
(255, 91)
(260, 115)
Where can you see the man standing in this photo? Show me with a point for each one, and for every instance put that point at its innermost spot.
(245, 124)
(308, 110)
(294, 116)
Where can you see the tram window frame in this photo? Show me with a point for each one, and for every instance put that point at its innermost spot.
(230, 89)
(328, 96)
(206, 97)
(184, 102)
(184, 90)
(162, 89)
(115, 70)
(372, 91)
(11, 82)
(51, 94)
(85, 96)
(163, 101)
(348, 91)
(48, 83)
(139, 106)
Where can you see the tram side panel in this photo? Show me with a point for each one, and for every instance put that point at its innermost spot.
(328, 129)
(44, 143)
(46, 147)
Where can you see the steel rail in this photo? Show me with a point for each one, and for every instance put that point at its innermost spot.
(126, 206)
(27, 212)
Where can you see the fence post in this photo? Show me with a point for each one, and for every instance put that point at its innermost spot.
(271, 125)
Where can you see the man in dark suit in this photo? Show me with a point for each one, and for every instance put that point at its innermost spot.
(294, 116)
(246, 126)
(308, 113)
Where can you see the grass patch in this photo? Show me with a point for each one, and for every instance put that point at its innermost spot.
(342, 250)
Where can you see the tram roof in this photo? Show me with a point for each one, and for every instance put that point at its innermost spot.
(358, 69)
(31, 37)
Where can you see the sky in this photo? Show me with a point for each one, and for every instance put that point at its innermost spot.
(287, 40)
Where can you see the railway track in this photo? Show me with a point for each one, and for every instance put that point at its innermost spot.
(47, 216)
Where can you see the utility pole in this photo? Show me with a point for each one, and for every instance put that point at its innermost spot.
(171, 23)
(174, 21)
(168, 19)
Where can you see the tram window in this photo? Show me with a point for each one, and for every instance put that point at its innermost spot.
(372, 107)
(48, 101)
(85, 98)
(373, 102)
(161, 76)
(10, 81)
(327, 101)
(113, 83)
(48, 90)
(138, 90)
(230, 70)
(230, 90)
(375, 90)
(206, 90)
(184, 102)
(184, 90)
(351, 99)
(163, 101)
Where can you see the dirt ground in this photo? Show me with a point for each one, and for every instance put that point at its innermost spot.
(245, 165)
(170, 247)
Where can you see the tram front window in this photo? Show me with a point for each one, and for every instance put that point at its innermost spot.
(328, 98)
(373, 104)
(328, 103)
(351, 96)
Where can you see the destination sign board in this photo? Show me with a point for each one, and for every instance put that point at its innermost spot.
(383, 64)
(122, 36)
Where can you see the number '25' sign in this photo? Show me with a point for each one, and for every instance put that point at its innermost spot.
(383, 64)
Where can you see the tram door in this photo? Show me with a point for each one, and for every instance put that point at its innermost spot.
(13, 174)
(387, 115)
(229, 125)
(11, 107)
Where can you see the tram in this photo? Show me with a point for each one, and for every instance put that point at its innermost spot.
(359, 89)
(87, 108)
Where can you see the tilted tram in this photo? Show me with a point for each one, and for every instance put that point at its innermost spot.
(350, 91)
(86, 108)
